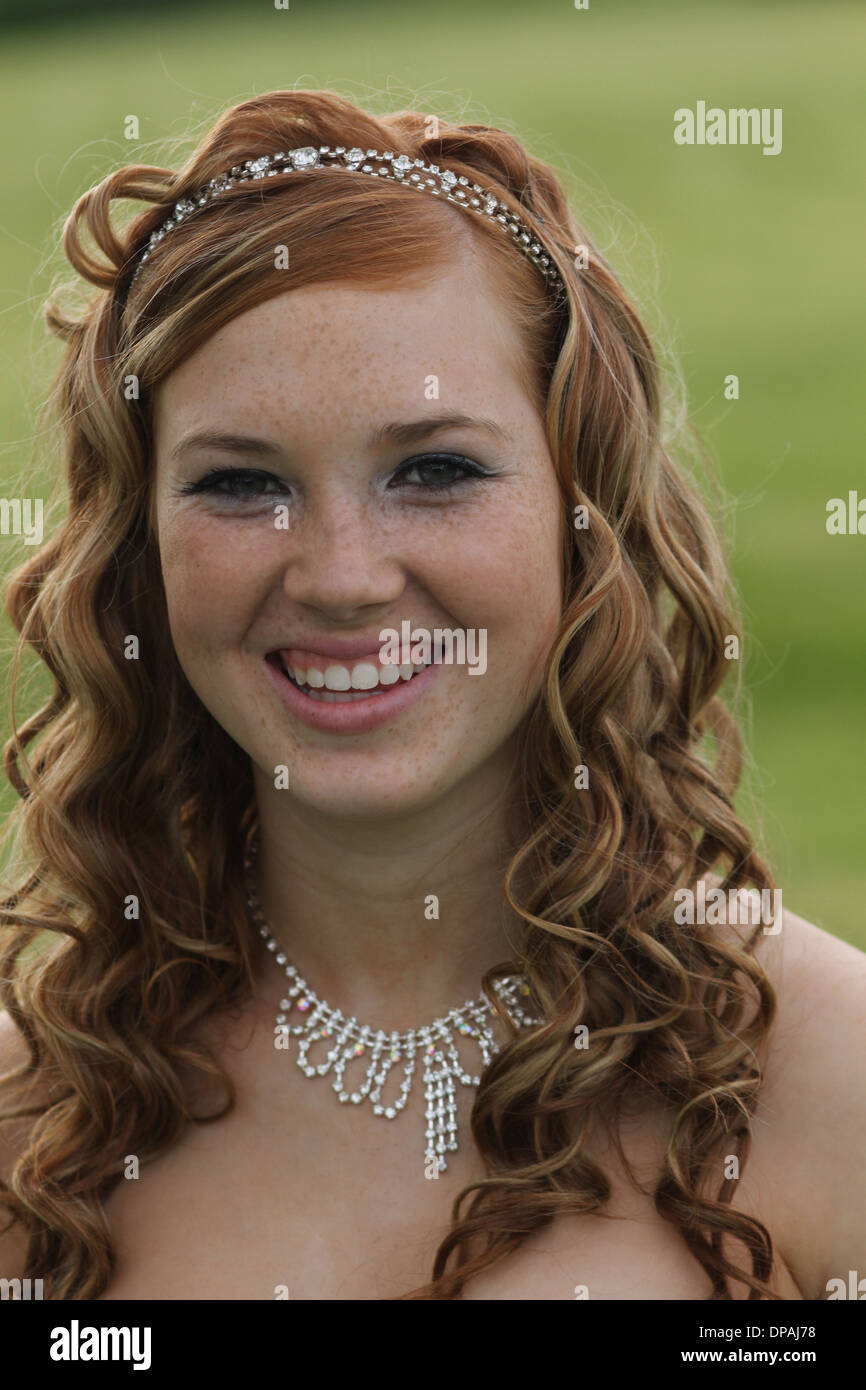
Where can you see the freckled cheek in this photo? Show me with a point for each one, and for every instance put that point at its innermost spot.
(214, 581)
(504, 576)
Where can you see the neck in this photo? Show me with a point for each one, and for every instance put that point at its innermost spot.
(394, 919)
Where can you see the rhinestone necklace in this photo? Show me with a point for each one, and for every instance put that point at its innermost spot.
(435, 1044)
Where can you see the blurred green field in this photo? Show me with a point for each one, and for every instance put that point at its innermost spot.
(743, 263)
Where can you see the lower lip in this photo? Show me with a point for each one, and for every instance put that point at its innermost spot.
(354, 716)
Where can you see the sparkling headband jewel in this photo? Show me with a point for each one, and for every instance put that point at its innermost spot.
(412, 173)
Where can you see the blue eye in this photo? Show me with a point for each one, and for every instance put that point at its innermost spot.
(438, 462)
(234, 483)
(248, 484)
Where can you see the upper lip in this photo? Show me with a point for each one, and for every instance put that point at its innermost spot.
(335, 647)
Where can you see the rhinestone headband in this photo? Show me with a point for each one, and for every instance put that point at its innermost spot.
(412, 173)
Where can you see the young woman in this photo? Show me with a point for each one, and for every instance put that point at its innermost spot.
(341, 968)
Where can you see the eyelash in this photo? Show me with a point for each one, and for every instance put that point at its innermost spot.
(209, 482)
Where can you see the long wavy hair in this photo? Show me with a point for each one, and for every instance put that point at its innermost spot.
(132, 791)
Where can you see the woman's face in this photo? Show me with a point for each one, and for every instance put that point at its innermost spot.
(323, 528)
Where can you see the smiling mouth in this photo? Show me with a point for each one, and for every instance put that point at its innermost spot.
(339, 697)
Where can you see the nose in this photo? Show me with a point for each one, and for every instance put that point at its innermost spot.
(342, 556)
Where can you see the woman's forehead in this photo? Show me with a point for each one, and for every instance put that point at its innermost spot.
(323, 347)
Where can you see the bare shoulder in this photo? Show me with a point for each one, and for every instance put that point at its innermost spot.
(810, 1126)
(13, 1134)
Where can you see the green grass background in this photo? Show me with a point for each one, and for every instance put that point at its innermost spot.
(743, 263)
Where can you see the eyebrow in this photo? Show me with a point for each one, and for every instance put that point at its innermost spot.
(398, 432)
(409, 431)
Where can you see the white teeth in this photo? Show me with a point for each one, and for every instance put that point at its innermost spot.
(364, 676)
(337, 678)
(339, 684)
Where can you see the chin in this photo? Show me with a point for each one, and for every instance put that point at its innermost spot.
(330, 796)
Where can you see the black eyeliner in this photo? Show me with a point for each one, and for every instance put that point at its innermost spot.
(214, 475)
(207, 483)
